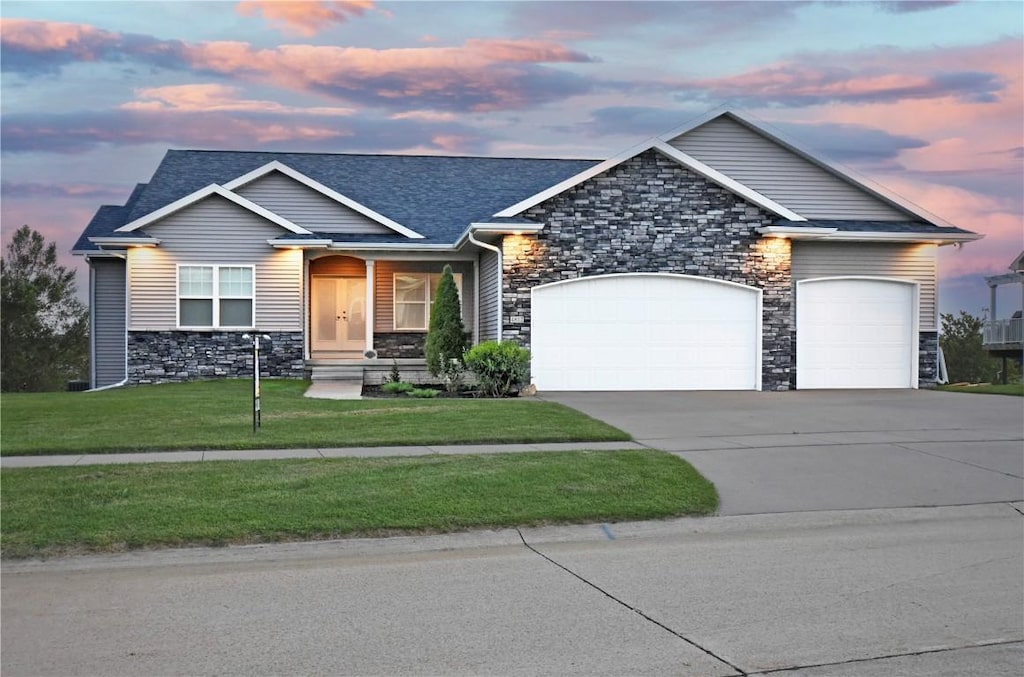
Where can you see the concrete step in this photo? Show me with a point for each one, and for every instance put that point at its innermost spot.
(337, 373)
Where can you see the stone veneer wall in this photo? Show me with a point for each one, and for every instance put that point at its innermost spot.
(649, 214)
(168, 356)
(928, 358)
(400, 345)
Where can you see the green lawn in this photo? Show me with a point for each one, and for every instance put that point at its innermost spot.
(988, 389)
(67, 510)
(218, 415)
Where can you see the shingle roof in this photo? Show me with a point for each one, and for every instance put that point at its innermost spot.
(106, 219)
(435, 196)
(860, 226)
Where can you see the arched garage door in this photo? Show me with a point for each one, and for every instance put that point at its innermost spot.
(856, 332)
(646, 331)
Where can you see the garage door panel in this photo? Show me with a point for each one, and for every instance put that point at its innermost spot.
(856, 333)
(645, 332)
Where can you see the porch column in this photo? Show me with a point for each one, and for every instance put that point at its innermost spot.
(369, 304)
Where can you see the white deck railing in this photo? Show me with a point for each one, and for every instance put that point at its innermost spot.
(1002, 332)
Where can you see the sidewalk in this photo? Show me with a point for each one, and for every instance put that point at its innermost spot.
(266, 454)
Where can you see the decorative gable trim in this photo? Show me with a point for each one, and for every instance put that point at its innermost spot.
(278, 166)
(846, 174)
(202, 194)
(657, 144)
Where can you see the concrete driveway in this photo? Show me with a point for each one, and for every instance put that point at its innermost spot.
(831, 450)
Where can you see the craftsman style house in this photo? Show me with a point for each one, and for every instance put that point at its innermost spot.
(717, 256)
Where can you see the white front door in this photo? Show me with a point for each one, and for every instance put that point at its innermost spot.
(339, 314)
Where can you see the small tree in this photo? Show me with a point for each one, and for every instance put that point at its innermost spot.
(961, 343)
(44, 328)
(446, 337)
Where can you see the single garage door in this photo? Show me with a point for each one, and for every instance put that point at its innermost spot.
(856, 332)
(646, 331)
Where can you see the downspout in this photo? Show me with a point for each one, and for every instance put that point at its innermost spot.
(943, 377)
(496, 250)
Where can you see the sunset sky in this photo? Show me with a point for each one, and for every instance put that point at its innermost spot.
(923, 97)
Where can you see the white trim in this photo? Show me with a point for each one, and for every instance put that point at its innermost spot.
(214, 298)
(712, 174)
(845, 173)
(869, 236)
(300, 244)
(759, 294)
(278, 166)
(389, 245)
(132, 241)
(915, 319)
(429, 298)
(668, 151)
(795, 233)
(202, 193)
(99, 253)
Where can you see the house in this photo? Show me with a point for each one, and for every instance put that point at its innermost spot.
(717, 256)
(1004, 338)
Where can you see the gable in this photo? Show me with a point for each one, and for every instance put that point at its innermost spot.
(780, 174)
(212, 224)
(306, 207)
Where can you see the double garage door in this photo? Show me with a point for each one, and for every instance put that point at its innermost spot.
(653, 331)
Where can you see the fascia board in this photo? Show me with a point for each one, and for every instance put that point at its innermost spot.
(277, 165)
(392, 246)
(904, 237)
(101, 240)
(712, 174)
(795, 233)
(202, 193)
(302, 244)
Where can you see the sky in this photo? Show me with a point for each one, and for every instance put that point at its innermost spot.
(924, 97)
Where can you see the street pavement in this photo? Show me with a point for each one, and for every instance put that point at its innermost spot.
(821, 563)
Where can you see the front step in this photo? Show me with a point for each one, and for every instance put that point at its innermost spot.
(336, 373)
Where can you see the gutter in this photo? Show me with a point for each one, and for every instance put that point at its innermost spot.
(496, 250)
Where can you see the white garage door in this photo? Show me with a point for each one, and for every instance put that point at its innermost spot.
(856, 333)
(646, 331)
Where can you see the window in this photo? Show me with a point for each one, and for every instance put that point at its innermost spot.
(215, 296)
(414, 294)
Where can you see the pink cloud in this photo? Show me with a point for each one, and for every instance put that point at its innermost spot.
(304, 17)
(214, 97)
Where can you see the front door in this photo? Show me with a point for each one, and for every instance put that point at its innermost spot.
(339, 314)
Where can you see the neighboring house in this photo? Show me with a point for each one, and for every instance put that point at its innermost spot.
(1005, 337)
(716, 256)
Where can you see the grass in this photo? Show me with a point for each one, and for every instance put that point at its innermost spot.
(69, 510)
(988, 389)
(218, 415)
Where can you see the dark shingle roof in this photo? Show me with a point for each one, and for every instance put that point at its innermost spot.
(436, 196)
(858, 226)
(106, 220)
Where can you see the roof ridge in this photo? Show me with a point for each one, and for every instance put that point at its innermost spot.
(389, 155)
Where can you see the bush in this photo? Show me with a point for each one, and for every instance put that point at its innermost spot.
(446, 338)
(425, 393)
(396, 387)
(394, 376)
(501, 368)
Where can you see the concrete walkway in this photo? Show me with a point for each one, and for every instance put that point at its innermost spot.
(267, 454)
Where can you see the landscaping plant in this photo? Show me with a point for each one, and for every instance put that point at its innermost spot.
(446, 336)
(501, 368)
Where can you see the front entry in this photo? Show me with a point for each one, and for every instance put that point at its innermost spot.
(339, 314)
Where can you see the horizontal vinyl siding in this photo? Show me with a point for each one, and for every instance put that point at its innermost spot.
(780, 174)
(214, 231)
(488, 295)
(384, 289)
(108, 318)
(306, 207)
(902, 261)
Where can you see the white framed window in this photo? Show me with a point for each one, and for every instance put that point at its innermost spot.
(414, 295)
(218, 296)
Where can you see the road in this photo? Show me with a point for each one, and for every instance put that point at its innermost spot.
(915, 591)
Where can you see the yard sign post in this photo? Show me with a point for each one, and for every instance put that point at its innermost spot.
(256, 378)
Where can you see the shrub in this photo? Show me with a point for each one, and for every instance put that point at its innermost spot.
(394, 376)
(396, 387)
(425, 393)
(501, 368)
(446, 337)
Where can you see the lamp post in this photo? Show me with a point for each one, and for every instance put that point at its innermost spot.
(256, 377)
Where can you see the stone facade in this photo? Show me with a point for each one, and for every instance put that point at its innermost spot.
(400, 345)
(171, 356)
(928, 358)
(649, 214)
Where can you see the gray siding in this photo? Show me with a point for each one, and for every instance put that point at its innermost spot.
(214, 231)
(384, 289)
(780, 174)
(108, 321)
(306, 207)
(903, 261)
(488, 295)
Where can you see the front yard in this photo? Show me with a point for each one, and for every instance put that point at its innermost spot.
(69, 510)
(218, 415)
